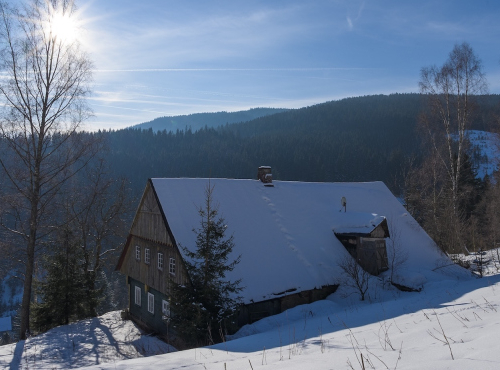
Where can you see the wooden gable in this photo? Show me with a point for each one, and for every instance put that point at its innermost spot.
(150, 232)
(149, 222)
(381, 231)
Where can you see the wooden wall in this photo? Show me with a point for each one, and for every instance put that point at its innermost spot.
(252, 312)
(152, 321)
(148, 222)
(149, 231)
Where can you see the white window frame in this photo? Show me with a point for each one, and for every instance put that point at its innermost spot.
(147, 256)
(160, 261)
(137, 253)
(151, 303)
(138, 294)
(171, 266)
(165, 308)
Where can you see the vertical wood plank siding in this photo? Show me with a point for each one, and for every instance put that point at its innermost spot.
(149, 231)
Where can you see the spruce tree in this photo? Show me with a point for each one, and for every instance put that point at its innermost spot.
(61, 296)
(203, 306)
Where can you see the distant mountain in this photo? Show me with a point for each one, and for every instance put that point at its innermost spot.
(198, 121)
(355, 139)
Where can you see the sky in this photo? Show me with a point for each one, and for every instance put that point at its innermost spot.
(158, 58)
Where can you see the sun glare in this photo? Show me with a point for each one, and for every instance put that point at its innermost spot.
(63, 27)
(62, 22)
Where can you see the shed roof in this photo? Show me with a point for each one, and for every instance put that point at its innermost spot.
(357, 223)
(284, 233)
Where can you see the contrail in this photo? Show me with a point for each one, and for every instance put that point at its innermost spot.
(231, 69)
(139, 110)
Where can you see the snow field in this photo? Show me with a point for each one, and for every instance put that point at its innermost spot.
(488, 145)
(94, 341)
(454, 317)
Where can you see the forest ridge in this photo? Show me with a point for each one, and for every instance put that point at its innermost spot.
(355, 139)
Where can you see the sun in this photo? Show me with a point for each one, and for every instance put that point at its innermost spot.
(61, 21)
(63, 27)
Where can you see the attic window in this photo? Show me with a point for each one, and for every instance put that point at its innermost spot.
(171, 266)
(147, 256)
(137, 253)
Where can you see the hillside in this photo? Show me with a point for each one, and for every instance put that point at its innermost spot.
(486, 151)
(392, 330)
(198, 121)
(403, 331)
(94, 341)
(358, 139)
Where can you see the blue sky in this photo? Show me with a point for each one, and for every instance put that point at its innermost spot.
(160, 58)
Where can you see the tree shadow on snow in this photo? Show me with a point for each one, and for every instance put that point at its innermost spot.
(15, 364)
(86, 343)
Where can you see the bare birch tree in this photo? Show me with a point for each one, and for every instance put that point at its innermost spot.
(450, 90)
(42, 105)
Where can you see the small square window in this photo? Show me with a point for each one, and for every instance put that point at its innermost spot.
(151, 303)
(137, 253)
(147, 256)
(137, 296)
(165, 308)
(171, 266)
(160, 261)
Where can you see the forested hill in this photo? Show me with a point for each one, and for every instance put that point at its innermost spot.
(355, 139)
(198, 121)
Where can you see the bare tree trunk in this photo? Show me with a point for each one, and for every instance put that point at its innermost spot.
(42, 104)
(30, 255)
(28, 283)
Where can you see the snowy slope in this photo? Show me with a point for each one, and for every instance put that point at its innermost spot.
(95, 341)
(394, 330)
(486, 149)
(284, 233)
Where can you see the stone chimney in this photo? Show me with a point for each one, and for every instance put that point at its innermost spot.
(264, 174)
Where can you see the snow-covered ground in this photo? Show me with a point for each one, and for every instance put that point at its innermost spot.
(105, 339)
(486, 147)
(485, 262)
(11, 294)
(453, 323)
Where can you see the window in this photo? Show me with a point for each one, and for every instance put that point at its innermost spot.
(165, 308)
(151, 303)
(171, 266)
(137, 296)
(147, 256)
(160, 261)
(137, 253)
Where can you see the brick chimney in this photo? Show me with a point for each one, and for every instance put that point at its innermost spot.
(264, 174)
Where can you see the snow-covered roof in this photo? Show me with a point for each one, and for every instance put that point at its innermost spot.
(284, 233)
(356, 223)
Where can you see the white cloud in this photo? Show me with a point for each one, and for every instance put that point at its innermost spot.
(349, 23)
